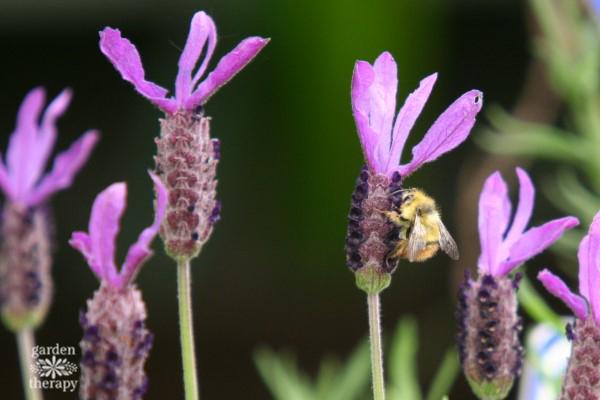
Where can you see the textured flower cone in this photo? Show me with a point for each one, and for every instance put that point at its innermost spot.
(186, 163)
(115, 345)
(25, 281)
(371, 237)
(582, 381)
(488, 335)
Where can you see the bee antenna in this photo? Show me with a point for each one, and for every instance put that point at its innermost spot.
(400, 191)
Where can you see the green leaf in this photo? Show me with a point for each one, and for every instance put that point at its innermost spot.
(445, 376)
(404, 383)
(567, 193)
(280, 374)
(354, 378)
(535, 306)
(519, 138)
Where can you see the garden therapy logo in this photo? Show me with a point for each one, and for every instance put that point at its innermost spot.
(51, 366)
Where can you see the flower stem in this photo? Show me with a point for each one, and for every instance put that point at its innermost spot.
(25, 342)
(376, 353)
(186, 327)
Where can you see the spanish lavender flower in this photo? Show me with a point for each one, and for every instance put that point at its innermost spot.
(371, 236)
(25, 254)
(582, 380)
(116, 342)
(488, 324)
(187, 157)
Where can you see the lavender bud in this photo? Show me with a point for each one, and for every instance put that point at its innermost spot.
(490, 352)
(371, 237)
(115, 345)
(25, 261)
(186, 163)
(582, 380)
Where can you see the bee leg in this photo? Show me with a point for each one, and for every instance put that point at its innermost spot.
(394, 217)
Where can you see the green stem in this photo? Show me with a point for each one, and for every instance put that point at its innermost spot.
(186, 327)
(25, 342)
(376, 353)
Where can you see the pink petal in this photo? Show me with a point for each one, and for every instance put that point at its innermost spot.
(66, 165)
(494, 212)
(126, 59)
(104, 226)
(382, 94)
(21, 154)
(201, 29)
(362, 79)
(524, 209)
(140, 251)
(407, 116)
(584, 277)
(558, 288)
(593, 267)
(81, 241)
(227, 67)
(449, 130)
(5, 183)
(534, 241)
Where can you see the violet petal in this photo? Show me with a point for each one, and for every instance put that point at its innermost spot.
(22, 142)
(202, 29)
(82, 242)
(524, 209)
(227, 67)
(382, 95)
(450, 129)
(5, 183)
(494, 212)
(584, 278)
(104, 226)
(126, 59)
(139, 251)
(66, 165)
(362, 79)
(407, 116)
(534, 241)
(593, 267)
(558, 288)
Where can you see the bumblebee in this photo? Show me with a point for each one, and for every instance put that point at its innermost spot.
(422, 232)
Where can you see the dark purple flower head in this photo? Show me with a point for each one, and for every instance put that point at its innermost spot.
(488, 322)
(582, 380)
(374, 105)
(98, 246)
(30, 147)
(189, 91)
(503, 249)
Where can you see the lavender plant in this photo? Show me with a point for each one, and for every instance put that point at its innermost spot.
(371, 236)
(116, 342)
(582, 380)
(488, 322)
(25, 235)
(187, 156)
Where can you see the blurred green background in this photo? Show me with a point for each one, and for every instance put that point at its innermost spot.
(274, 270)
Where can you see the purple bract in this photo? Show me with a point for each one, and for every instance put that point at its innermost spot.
(374, 105)
(189, 91)
(30, 147)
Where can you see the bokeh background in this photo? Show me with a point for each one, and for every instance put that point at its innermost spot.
(274, 271)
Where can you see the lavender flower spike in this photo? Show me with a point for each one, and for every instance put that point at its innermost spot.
(116, 343)
(488, 324)
(25, 259)
(371, 237)
(187, 156)
(189, 91)
(582, 380)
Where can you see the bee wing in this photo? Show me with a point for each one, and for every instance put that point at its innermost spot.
(417, 241)
(447, 244)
